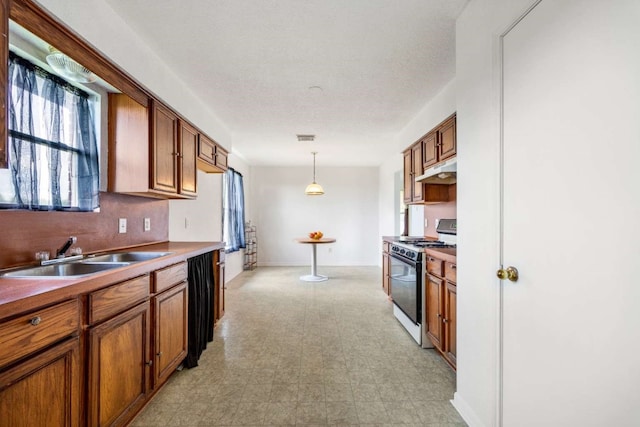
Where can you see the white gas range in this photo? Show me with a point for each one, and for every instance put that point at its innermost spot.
(407, 273)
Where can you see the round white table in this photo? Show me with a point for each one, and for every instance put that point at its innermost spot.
(314, 276)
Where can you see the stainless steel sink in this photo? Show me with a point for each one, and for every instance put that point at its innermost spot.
(127, 257)
(64, 270)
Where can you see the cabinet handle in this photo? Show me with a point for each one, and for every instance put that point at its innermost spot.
(453, 266)
(444, 320)
(36, 321)
(159, 354)
(149, 363)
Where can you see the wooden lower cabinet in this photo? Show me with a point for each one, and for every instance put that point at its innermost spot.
(170, 324)
(218, 287)
(43, 390)
(450, 305)
(119, 367)
(434, 310)
(441, 307)
(386, 268)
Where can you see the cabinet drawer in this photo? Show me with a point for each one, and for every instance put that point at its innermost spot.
(435, 266)
(167, 277)
(38, 329)
(450, 270)
(117, 298)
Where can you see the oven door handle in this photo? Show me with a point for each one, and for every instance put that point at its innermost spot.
(405, 261)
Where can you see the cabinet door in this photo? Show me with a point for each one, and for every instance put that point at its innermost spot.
(416, 159)
(218, 287)
(221, 158)
(118, 369)
(170, 320)
(450, 349)
(385, 274)
(164, 165)
(430, 150)
(408, 177)
(44, 390)
(188, 143)
(447, 137)
(434, 310)
(128, 145)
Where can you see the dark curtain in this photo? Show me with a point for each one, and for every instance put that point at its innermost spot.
(233, 219)
(201, 282)
(52, 141)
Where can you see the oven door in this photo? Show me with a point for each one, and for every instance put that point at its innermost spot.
(406, 286)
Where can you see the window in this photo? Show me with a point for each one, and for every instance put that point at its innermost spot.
(53, 153)
(233, 211)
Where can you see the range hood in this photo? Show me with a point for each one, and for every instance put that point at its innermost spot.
(442, 173)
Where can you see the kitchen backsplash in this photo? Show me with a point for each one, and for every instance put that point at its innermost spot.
(439, 211)
(26, 232)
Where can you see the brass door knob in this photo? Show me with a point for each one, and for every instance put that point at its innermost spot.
(510, 273)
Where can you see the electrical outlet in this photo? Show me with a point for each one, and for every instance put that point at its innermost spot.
(426, 223)
(147, 224)
(122, 225)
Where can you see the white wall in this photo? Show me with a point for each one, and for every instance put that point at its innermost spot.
(199, 219)
(478, 120)
(347, 211)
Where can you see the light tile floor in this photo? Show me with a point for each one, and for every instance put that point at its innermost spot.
(289, 352)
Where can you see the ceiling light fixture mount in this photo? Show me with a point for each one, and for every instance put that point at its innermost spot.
(314, 189)
(68, 68)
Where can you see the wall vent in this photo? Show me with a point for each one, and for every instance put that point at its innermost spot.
(306, 137)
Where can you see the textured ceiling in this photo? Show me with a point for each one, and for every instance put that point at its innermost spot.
(254, 61)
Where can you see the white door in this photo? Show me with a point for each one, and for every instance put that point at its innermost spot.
(571, 215)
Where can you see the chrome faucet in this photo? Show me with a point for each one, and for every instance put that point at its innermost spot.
(61, 252)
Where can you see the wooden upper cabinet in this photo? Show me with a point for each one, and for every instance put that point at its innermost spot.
(151, 152)
(440, 143)
(408, 176)
(211, 157)
(437, 145)
(447, 139)
(416, 156)
(128, 145)
(164, 149)
(188, 146)
(430, 150)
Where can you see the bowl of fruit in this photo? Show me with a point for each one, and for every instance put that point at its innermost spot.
(315, 235)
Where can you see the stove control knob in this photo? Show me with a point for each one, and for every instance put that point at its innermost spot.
(410, 254)
(402, 251)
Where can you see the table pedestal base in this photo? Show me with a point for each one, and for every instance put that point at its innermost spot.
(314, 278)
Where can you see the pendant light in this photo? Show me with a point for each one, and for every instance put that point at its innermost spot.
(314, 189)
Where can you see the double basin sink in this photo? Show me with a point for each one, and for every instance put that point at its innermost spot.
(85, 266)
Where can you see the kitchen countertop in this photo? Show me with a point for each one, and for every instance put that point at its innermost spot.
(18, 295)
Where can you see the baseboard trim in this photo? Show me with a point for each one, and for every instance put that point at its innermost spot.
(465, 411)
